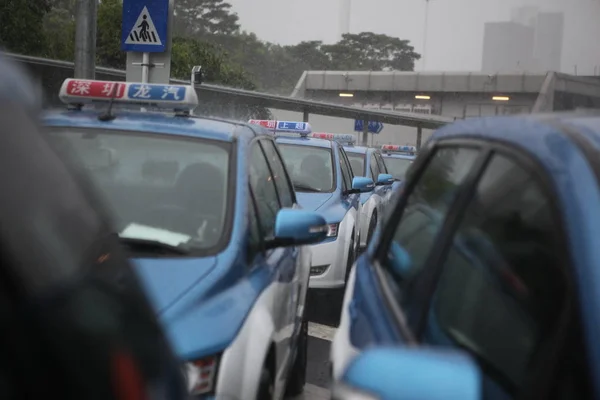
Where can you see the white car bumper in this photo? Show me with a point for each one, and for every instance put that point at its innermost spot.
(328, 266)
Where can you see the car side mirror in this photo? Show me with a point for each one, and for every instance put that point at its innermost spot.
(398, 373)
(294, 227)
(361, 184)
(384, 179)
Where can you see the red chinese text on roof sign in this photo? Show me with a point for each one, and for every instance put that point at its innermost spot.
(95, 89)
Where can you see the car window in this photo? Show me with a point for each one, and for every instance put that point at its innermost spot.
(162, 186)
(374, 167)
(380, 163)
(310, 167)
(397, 166)
(502, 287)
(424, 215)
(254, 230)
(346, 169)
(283, 185)
(263, 187)
(357, 162)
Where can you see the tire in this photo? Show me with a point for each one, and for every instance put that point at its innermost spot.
(266, 387)
(297, 378)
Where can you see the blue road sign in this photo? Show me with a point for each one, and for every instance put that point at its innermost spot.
(374, 126)
(144, 26)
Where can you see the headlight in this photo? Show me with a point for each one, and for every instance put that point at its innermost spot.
(201, 375)
(332, 230)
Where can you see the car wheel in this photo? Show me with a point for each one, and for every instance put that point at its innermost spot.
(266, 386)
(297, 378)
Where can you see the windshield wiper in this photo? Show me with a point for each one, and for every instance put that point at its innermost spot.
(307, 188)
(153, 246)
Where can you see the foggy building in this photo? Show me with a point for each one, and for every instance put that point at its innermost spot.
(530, 42)
(526, 15)
(548, 41)
(508, 47)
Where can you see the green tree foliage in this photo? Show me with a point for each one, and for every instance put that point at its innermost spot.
(199, 18)
(368, 51)
(59, 29)
(21, 25)
(108, 37)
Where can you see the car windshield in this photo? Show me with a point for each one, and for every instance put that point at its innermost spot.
(397, 166)
(162, 189)
(310, 167)
(357, 162)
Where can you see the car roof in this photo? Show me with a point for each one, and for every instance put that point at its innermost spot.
(304, 141)
(154, 122)
(396, 155)
(532, 133)
(356, 149)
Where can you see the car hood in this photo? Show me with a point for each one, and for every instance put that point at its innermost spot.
(168, 280)
(312, 201)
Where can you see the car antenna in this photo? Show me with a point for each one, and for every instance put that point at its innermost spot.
(107, 116)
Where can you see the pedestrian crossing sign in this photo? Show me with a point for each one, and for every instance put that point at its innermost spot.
(144, 31)
(144, 26)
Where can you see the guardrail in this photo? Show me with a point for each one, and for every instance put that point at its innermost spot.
(51, 74)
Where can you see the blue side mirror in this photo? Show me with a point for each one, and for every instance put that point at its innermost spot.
(298, 227)
(398, 373)
(385, 179)
(361, 184)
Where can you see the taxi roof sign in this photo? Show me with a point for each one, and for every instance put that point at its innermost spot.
(337, 137)
(398, 149)
(87, 91)
(301, 128)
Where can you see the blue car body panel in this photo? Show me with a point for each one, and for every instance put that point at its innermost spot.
(562, 160)
(202, 301)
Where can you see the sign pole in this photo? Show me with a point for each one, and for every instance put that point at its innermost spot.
(145, 66)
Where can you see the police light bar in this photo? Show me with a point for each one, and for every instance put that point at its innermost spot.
(85, 91)
(301, 128)
(398, 149)
(337, 137)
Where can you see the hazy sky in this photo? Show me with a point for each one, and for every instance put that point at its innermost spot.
(455, 33)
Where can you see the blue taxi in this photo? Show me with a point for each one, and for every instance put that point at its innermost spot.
(368, 161)
(485, 275)
(322, 176)
(209, 216)
(398, 158)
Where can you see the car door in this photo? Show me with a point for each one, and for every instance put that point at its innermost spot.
(504, 285)
(285, 189)
(279, 262)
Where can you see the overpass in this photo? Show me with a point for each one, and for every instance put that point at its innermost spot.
(51, 74)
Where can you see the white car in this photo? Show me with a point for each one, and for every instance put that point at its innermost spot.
(368, 161)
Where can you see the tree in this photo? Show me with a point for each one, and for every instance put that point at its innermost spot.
(108, 39)
(198, 18)
(368, 51)
(21, 25)
(59, 30)
(311, 54)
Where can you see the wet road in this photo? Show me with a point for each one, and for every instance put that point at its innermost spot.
(323, 314)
